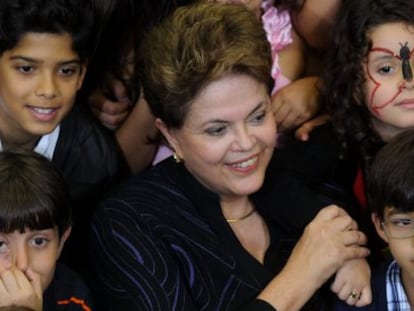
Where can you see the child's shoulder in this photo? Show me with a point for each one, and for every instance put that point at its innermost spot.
(67, 292)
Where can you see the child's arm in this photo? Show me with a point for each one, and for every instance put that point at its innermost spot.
(352, 283)
(17, 288)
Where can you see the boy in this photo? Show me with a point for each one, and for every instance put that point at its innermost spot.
(35, 222)
(44, 50)
(390, 193)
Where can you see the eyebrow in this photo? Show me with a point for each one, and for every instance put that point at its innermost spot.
(36, 61)
(259, 106)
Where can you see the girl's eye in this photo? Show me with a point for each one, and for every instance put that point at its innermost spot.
(68, 71)
(258, 118)
(386, 70)
(39, 241)
(216, 131)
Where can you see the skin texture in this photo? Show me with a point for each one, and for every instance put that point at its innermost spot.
(40, 72)
(27, 265)
(227, 125)
(389, 97)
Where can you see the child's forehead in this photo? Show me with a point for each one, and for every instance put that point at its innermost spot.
(392, 35)
(390, 211)
(30, 232)
(59, 46)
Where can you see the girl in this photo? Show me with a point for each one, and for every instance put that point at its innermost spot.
(370, 100)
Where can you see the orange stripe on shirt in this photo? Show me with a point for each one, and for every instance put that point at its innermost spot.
(75, 300)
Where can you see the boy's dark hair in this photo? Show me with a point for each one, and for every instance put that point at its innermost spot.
(33, 194)
(390, 181)
(74, 17)
(343, 88)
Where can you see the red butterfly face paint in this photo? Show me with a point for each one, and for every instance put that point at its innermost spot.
(389, 79)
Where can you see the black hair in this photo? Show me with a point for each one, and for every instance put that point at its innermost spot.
(74, 17)
(343, 89)
(33, 194)
(390, 181)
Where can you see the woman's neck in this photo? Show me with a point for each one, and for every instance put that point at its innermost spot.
(236, 207)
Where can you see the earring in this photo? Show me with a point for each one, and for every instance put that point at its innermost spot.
(176, 158)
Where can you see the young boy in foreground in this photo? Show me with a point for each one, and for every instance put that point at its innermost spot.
(35, 222)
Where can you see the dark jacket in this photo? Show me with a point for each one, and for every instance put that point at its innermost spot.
(161, 243)
(90, 162)
(67, 292)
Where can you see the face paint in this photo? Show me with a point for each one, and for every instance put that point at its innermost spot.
(388, 71)
(405, 55)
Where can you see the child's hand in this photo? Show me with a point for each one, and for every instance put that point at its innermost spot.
(303, 132)
(352, 283)
(296, 103)
(18, 288)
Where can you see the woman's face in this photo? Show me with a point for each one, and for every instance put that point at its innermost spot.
(389, 90)
(228, 136)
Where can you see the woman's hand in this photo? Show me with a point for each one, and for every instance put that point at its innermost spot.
(330, 240)
(352, 283)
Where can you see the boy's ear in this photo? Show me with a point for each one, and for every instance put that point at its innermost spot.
(64, 237)
(378, 226)
(170, 136)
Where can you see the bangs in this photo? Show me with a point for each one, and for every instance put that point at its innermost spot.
(27, 210)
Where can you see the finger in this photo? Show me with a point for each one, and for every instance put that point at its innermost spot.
(288, 122)
(281, 112)
(354, 252)
(34, 279)
(353, 297)
(9, 280)
(337, 286)
(366, 297)
(330, 212)
(303, 132)
(353, 238)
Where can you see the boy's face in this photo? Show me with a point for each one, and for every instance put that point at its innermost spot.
(397, 230)
(33, 252)
(39, 79)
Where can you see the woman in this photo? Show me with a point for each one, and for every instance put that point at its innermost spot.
(191, 233)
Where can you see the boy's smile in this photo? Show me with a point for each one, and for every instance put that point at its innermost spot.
(39, 79)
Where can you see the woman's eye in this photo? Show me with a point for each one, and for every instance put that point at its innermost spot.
(259, 118)
(216, 131)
